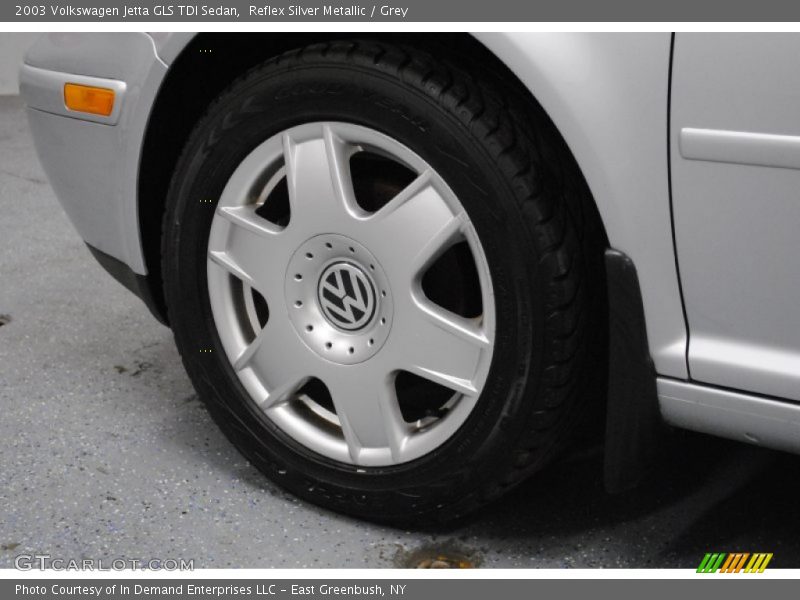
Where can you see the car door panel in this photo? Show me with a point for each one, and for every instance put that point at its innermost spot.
(735, 152)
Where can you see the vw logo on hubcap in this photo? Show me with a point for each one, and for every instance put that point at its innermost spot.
(346, 296)
(338, 298)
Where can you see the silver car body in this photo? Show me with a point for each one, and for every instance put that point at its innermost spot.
(691, 153)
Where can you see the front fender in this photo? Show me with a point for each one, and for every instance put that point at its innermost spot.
(608, 95)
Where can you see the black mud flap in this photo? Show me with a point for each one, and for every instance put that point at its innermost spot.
(634, 427)
(138, 284)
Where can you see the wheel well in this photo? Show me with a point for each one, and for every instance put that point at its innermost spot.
(197, 76)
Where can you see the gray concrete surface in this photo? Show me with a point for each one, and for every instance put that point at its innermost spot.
(105, 451)
(13, 46)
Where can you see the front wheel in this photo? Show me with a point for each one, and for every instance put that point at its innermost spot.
(375, 283)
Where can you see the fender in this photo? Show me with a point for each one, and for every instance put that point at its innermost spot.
(608, 95)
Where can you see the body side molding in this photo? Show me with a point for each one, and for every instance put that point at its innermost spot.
(740, 147)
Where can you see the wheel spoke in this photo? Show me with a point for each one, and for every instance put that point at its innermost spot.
(252, 249)
(415, 227)
(442, 347)
(279, 359)
(318, 177)
(370, 416)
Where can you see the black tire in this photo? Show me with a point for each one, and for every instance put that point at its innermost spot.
(527, 201)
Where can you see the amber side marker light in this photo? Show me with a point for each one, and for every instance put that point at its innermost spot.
(88, 99)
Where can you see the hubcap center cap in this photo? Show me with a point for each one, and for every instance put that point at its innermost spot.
(338, 298)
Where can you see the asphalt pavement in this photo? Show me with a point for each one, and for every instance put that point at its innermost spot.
(106, 452)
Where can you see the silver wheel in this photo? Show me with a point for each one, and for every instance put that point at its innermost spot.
(332, 294)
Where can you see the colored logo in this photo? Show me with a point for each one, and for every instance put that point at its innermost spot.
(737, 562)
